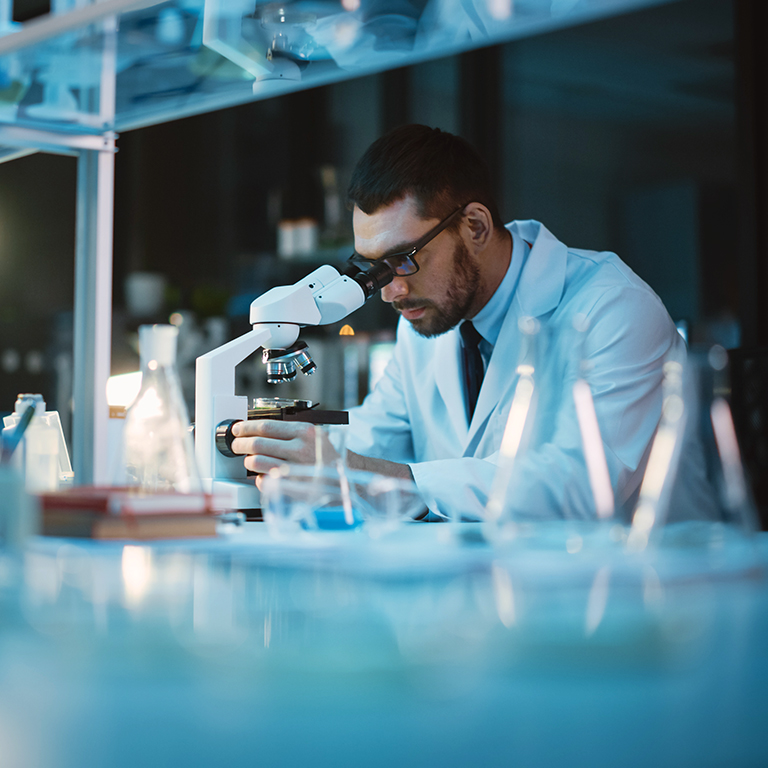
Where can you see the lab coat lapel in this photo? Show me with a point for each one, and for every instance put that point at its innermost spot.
(450, 378)
(538, 292)
(542, 279)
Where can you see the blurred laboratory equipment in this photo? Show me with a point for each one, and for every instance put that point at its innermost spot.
(388, 503)
(297, 238)
(517, 432)
(18, 509)
(312, 497)
(24, 412)
(19, 516)
(695, 476)
(145, 294)
(552, 422)
(158, 454)
(591, 438)
(42, 456)
(323, 297)
(331, 497)
(309, 498)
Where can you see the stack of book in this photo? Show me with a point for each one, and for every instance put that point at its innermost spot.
(122, 513)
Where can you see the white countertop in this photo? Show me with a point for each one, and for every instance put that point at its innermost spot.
(423, 648)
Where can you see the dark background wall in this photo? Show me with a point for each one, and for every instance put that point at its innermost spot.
(621, 134)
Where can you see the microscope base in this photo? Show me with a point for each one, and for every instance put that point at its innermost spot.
(233, 494)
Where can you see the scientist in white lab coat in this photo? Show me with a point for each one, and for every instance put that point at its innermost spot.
(422, 201)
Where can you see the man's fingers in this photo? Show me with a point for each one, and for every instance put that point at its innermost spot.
(284, 440)
(274, 428)
(261, 464)
(265, 446)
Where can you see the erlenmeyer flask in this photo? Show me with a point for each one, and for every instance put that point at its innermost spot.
(694, 486)
(501, 522)
(158, 454)
(552, 482)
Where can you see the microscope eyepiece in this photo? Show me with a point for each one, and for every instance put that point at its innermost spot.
(373, 279)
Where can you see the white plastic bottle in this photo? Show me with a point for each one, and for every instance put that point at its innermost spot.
(41, 452)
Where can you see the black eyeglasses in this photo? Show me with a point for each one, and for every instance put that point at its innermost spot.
(403, 263)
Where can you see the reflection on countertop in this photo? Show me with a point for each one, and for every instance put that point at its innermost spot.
(428, 646)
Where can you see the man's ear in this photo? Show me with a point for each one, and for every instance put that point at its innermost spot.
(479, 224)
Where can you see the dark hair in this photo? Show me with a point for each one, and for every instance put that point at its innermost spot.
(441, 171)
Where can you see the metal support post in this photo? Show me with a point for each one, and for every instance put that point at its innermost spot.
(93, 285)
(93, 315)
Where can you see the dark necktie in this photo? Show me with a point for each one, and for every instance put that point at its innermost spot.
(473, 364)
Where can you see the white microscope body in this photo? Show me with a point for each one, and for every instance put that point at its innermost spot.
(324, 296)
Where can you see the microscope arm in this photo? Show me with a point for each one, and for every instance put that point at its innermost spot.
(322, 297)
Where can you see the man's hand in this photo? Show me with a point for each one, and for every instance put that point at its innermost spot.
(268, 443)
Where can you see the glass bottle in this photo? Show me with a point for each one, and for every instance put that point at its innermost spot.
(158, 454)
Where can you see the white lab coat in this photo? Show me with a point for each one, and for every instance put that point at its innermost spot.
(416, 414)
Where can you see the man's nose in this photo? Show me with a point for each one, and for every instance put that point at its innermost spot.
(395, 290)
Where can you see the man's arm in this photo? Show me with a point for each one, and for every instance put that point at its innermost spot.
(267, 444)
(382, 466)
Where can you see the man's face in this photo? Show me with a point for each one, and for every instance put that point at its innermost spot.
(443, 291)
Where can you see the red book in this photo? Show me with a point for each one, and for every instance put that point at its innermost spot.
(123, 513)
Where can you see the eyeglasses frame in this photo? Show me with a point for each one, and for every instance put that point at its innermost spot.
(406, 256)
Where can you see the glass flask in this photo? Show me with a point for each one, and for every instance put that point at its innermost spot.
(158, 454)
(517, 431)
(552, 487)
(695, 489)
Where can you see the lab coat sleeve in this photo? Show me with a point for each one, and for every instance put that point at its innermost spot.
(629, 338)
(380, 428)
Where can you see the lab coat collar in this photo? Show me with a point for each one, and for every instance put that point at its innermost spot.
(539, 291)
(543, 277)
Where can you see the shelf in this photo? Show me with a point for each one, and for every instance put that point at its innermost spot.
(159, 61)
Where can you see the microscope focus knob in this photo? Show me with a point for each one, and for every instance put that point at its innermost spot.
(224, 438)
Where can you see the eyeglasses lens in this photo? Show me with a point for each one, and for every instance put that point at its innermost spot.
(401, 265)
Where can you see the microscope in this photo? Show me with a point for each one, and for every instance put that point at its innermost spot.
(323, 297)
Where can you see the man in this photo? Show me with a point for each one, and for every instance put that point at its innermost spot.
(422, 201)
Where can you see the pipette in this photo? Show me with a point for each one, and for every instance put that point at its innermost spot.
(11, 443)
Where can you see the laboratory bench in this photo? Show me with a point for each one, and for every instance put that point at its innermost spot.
(427, 646)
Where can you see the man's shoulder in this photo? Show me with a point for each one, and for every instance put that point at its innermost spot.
(602, 271)
(600, 286)
(603, 265)
(593, 278)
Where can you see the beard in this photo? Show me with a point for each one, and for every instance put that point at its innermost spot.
(462, 288)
